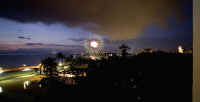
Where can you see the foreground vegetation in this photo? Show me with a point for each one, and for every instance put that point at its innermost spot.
(167, 72)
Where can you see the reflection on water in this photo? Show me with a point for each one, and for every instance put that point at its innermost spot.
(26, 84)
(1, 89)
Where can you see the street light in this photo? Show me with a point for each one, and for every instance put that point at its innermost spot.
(60, 64)
(180, 49)
(40, 64)
(1, 89)
(1, 70)
(24, 65)
(26, 84)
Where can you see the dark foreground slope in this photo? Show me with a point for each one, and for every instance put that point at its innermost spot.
(168, 78)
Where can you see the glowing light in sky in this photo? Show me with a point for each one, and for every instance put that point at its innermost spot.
(94, 44)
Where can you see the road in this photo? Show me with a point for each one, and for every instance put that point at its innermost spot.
(17, 74)
(19, 68)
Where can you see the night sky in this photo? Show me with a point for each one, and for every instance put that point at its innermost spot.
(37, 26)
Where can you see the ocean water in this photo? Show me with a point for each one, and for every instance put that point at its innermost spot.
(10, 61)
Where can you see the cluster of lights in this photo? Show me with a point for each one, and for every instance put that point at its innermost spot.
(70, 75)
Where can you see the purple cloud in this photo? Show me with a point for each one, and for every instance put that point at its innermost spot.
(24, 38)
(34, 44)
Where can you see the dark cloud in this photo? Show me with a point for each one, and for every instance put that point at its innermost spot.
(77, 39)
(24, 38)
(52, 45)
(119, 19)
(61, 45)
(34, 44)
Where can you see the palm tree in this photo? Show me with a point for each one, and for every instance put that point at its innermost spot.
(124, 48)
(60, 56)
(49, 66)
(41, 67)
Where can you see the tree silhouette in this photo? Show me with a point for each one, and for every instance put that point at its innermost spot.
(41, 67)
(124, 48)
(49, 66)
(60, 56)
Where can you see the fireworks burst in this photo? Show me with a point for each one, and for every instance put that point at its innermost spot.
(94, 46)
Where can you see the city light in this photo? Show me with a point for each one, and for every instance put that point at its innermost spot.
(70, 75)
(26, 84)
(92, 57)
(40, 85)
(180, 49)
(1, 89)
(1, 70)
(84, 74)
(66, 67)
(26, 69)
(24, 65)
(60, 64)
